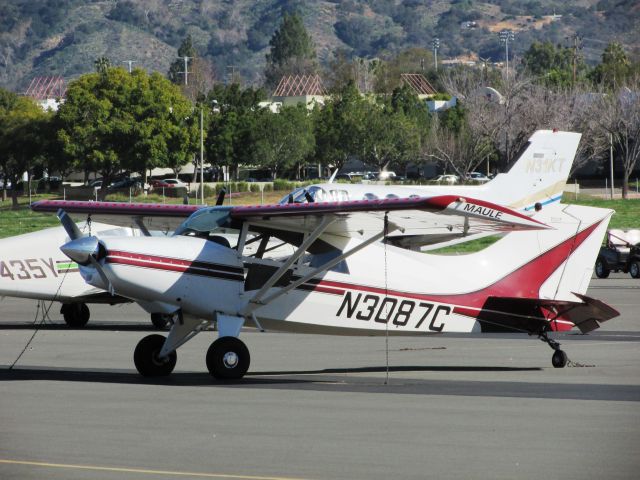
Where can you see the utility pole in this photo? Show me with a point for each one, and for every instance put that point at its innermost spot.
(575, 47)
(435, 43)
(130, 62)
(507, 36)
(611, 161)
(201, 155)
(186, 70)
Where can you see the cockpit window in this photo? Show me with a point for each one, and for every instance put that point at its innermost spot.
(299, 195)
(204, 221)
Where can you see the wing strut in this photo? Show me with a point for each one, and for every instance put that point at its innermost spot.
(313, 236)
(256, 303)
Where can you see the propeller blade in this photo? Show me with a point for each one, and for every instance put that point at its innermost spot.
(69, 225)
(220, 199)
(103, 275)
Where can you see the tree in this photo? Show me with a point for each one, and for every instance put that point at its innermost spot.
(228, 141)
(619, 119)
(23, 129)
(282, 141)
(615, 68)
(176, 72)
(552, 65)
(389, 137)
(127, 121)
(292, 51)
(339, 127)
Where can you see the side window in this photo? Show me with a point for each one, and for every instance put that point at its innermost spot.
(319, 259)
(391, 196)
(370, 196)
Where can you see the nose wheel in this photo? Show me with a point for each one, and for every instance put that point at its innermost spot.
(147, 357)
(228, 358)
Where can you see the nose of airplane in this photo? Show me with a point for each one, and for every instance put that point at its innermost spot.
(80, 249)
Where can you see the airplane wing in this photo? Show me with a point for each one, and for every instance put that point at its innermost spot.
(426, 215)
(155, 216)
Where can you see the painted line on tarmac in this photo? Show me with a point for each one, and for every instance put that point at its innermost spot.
(141, 471)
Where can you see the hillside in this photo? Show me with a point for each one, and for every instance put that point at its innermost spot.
(40, 37)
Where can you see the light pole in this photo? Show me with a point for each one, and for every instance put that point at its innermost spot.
(201, 155)
(507, 36)
(435, 43)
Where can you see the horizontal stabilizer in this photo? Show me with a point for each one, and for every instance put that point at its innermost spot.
(536, 315)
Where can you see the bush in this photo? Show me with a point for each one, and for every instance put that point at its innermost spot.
(279, 185)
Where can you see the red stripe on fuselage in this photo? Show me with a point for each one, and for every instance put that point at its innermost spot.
(524, 282)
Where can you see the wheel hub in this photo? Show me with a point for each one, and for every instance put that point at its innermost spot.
(230, 359)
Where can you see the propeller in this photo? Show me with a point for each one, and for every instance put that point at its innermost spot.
(84, 250)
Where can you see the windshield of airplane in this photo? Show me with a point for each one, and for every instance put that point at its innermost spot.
(204, 221)
(318, 194)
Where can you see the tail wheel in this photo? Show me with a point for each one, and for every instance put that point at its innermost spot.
(601, 268)
(634, 269)
(147, 357)
(228, 358)
(76, 315)
(559, 359)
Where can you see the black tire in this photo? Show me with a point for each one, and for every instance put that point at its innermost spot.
(146, 357)
(160, 320)
(634, 269)
(228, 358)
(76, 315)
(601, 269)
(559, 359)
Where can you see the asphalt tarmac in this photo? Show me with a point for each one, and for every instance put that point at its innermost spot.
(320, 407)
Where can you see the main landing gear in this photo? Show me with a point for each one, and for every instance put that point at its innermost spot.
(147, 357)
(559, 358)
(76, 315)
(227, 358)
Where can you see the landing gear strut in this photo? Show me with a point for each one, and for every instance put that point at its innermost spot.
(559, 358)
(76, 315)
(147, 357)
(228, 358)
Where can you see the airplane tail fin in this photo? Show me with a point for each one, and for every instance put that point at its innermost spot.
(540, 173)
(549, 290)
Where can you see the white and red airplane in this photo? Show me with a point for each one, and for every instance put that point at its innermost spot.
(343, 277)
(31, 265)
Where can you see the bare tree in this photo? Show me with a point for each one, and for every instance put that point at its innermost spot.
(523, 106)
(460, 152)
(619, 119)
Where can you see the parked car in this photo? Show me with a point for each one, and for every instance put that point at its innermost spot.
(448, 179)
(175, 182)
(155, 183)
(620, 253)
(477, 177)
(126, 183)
